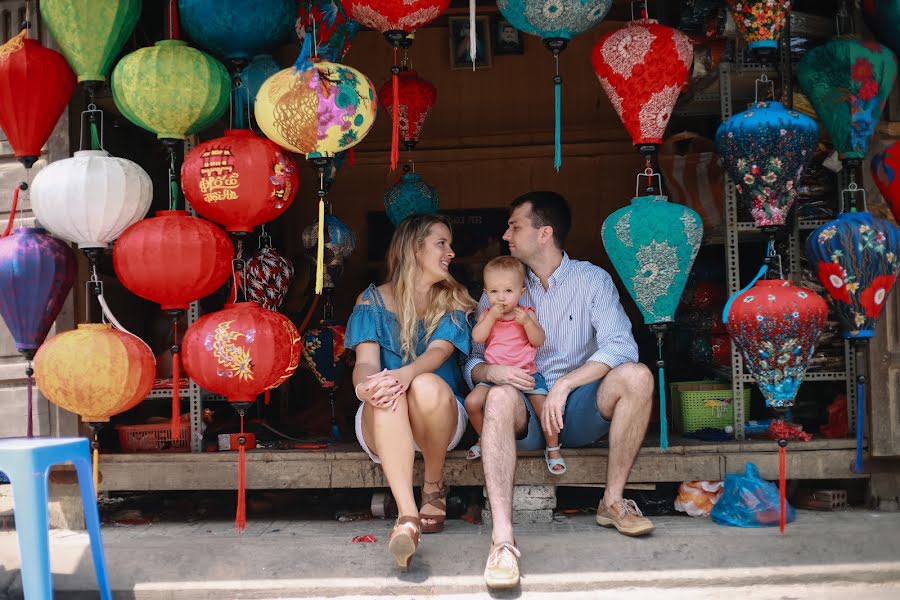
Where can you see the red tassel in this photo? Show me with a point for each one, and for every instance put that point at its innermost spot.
(782, 485)
(395, 118)
(174, 31)
(268, 397)
(176, 396)
(240, 520)
(12, 213)
(351, 157)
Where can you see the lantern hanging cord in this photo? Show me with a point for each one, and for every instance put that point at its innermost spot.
(265, 240)
(26, 24)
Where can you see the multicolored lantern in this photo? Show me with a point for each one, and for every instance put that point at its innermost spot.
(323, 353)
(882, 17)
(643, 67)
(652, 244)
(760, 21)
(416, 99)
(410, 196)
(236, 30)
(90, 33)
(848, 81)
(247, 84)
(37, 272)
(268, 275)
(240, 352)
(556, 23)
(885, 168)
(171, 89)
(91, 198)
(396, 21)
(333, 30)
(339, 244)
(36, 84)
(765, 150)
(191, 259)
(239, 180)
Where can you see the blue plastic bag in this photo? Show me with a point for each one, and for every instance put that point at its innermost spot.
(750, 501)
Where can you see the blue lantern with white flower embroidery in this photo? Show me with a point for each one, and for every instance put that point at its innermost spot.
(652, 244)
(555, 22)
(765, 150)
(410, 196)
(251, 78)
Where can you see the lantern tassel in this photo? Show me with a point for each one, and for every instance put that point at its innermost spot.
(96, 466)
(473, 37)
(176, 397)
(351, 157)
(305, 52)
(762, 271)
(268, 397)
(782, 483)
(30, 423)
(557, 114)
(174, 31)
(663, 420)
(320, 249)
(395, 114)
(95, 137)
(240, 519)
(860, 422)
(12, 212)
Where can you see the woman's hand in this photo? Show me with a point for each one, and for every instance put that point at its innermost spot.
(388, 386)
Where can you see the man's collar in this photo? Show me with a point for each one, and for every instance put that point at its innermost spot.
(557, 276)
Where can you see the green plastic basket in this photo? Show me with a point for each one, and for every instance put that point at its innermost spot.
(699, 404)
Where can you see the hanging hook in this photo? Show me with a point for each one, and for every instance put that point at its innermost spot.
(265, 240)
(851, 192)
(650, 175)
(91, 112)
(764, 79)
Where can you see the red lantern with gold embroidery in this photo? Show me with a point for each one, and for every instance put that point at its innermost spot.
(239, 180)
(416, 98)
(643, 67)
(240, 352)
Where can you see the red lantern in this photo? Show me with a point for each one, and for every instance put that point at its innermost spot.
(416, 97)
(239, 180)
(173, 259)
(395, 20)
(36, 84)
(240, 352)
(643, 67)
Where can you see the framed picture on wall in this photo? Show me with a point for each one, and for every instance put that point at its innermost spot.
(460, 40)
(508, 39)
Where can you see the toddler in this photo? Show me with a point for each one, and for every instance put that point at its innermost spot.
(511, 335)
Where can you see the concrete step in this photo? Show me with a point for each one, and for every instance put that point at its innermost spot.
(569, 558)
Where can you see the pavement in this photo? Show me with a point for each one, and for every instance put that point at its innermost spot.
(822, 555)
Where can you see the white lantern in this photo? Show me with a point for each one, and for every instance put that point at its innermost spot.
(91, 198)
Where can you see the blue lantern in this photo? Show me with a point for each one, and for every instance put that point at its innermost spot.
(410, 196)
(236, 30)
(251, 78)
(340, 242)
(555, 22)
(652, 244)
(765, 150)
(324, 352)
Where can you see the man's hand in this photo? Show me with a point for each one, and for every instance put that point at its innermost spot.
(555, 407)
(517, 378)
(522, 316)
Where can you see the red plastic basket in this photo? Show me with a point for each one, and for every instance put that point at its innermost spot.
(154, 438)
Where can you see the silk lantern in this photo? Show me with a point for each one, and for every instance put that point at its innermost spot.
(247, 84)
(323, 353)
(173, 259)
(338, 243)
(268, 275)
(91, 198)
(765, 150)
(760, 22)
(396, 21)
(240, 352)
(239, 180)
(848, 81)
(556, 23)
(410, 196)
(416, 99)
(36, 84)
(885, 168)
(36, 274)
(776, 326)
(882, 17)
(643, 67)
(171, 89)
(236, 30)
(652, 244)
(333, 30)
(91, 33)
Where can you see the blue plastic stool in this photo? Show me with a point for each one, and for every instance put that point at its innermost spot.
(27, 463)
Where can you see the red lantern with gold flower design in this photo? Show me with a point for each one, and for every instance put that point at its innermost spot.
(643, 67)
(240, 352)
(416, 98)
(239, 180)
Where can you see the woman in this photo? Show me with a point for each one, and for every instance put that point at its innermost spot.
(408, 333)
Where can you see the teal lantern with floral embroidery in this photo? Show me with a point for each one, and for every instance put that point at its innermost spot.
(411, 195)
(848, 81)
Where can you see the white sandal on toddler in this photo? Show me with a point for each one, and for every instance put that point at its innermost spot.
(554, 462)
(474, 452)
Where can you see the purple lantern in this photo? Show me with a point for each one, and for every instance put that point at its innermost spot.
(36, 274)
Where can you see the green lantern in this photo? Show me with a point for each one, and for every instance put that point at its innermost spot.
(171, 89)
(848, 81)
(91, 33)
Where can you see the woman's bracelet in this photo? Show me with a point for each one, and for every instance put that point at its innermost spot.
(356, 391)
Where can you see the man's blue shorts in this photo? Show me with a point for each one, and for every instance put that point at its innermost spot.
(582, 423)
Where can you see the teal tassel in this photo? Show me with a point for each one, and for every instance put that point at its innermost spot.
(663, 421)
(860, 422)
(238, 95)
(95, 138)
(303, 62)
(759, 275)
(557, 94)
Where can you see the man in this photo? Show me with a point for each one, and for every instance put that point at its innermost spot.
(589, 360)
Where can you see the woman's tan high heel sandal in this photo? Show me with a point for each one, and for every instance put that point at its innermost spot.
(437, 499)
(404, 540)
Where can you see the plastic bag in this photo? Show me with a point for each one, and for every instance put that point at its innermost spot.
(697, 498)
(749, 501)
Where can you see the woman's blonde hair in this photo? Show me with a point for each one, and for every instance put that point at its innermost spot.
(445, 296)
